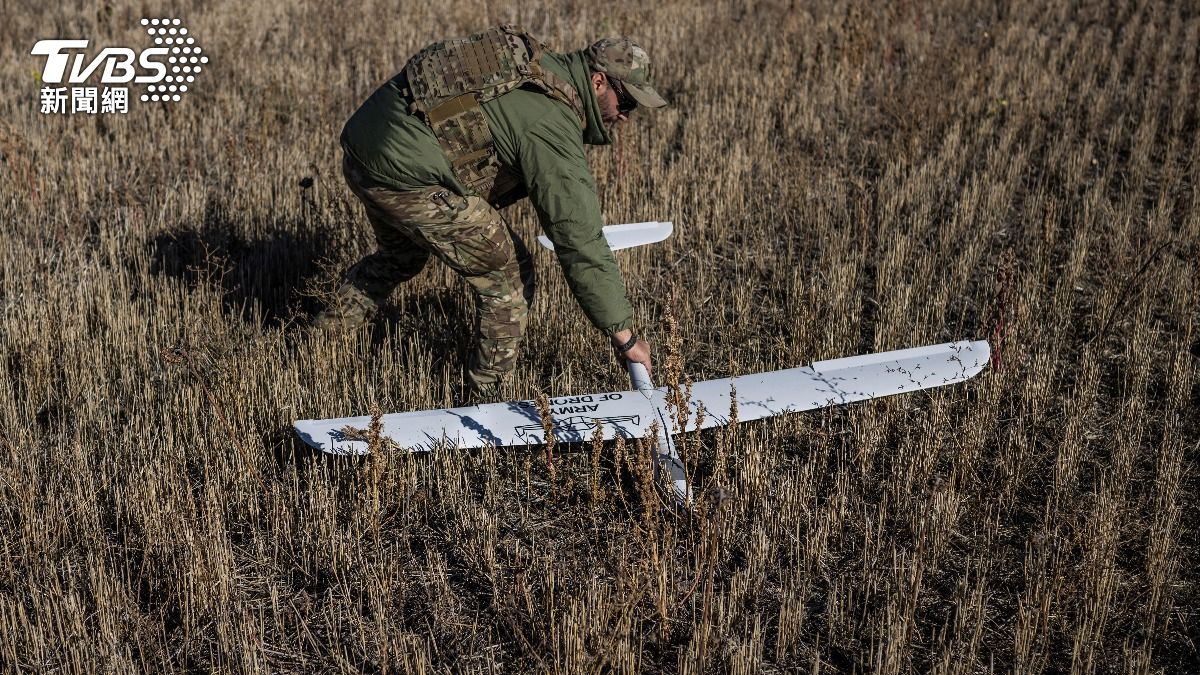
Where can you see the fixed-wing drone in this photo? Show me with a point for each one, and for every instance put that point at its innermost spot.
(633, 414)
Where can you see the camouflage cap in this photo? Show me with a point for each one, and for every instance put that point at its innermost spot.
(623, 60)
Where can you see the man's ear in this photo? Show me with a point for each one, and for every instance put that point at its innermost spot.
(598, 79)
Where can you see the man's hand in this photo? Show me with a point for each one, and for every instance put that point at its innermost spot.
(639, 353)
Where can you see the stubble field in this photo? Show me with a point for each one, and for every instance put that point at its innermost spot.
(843, 179)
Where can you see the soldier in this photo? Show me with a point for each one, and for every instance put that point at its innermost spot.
(472, 125)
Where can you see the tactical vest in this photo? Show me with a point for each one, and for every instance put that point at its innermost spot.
(448, 80)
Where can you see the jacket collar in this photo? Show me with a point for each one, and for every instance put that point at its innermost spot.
(576, 71)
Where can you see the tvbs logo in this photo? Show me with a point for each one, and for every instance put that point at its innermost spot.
(166, 70)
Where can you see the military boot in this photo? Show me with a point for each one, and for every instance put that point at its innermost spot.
(349, 310)
(469, 393)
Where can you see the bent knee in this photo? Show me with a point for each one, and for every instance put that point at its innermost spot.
(474, 241)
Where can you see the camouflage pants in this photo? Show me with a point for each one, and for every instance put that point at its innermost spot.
(465, 233)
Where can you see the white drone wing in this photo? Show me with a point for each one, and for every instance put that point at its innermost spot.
(632, 413)
(513, 423)
(838, 381)
(627, 235)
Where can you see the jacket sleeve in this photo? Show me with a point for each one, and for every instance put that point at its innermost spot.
(563, 192)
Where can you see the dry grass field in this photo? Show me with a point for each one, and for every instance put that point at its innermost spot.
(844, 178)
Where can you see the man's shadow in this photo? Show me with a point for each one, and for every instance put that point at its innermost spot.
(260, 279)
(287, 274)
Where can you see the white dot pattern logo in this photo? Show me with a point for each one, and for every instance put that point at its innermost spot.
(160, 28)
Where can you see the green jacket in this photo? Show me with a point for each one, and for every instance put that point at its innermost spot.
(539, 140)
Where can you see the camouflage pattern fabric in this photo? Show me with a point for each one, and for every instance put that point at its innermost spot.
(624, 60)
(447, 81)
(487, 64)
(464, 232)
